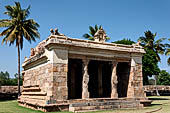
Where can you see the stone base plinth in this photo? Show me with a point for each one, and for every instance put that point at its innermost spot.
(76, 105)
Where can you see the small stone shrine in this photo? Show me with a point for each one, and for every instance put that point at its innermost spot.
(68, 74)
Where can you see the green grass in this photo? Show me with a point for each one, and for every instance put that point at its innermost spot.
(161, 102)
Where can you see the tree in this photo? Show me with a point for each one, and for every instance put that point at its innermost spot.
(148, 41)
(4, 78)
(153, 48)
(18, 28)
(163, 78)
(92, 32)
(149, 65)
(124, 41)
(167, 52)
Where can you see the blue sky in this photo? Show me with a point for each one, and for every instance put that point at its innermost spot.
(120, 19)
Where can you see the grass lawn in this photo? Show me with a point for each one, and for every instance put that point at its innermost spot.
(161, 103)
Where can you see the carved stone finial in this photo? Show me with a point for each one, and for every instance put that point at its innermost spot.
(32, 52)
(25, 58)
(52, 32)
(138, 43)
(100, 35)
(56, 32)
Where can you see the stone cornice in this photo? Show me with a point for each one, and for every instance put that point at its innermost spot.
(34, 61)
(54, 40)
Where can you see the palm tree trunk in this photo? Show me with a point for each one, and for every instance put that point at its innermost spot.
(19, 71)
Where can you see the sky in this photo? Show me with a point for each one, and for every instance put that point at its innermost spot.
(119, 18)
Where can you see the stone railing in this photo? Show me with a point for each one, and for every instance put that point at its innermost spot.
(151, 89)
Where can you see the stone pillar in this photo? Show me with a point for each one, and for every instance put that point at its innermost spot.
(130, 91)
(100, 86)
(114, 81)
(85, 92)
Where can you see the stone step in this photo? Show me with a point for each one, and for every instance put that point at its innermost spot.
(104, 107)
(32, 101)
(34, 93)
(109, 105)
(117, 102)
(32, 89)
(33, 97)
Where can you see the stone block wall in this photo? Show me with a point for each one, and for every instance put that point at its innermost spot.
(138, 82)
(38, 84)
(59, 82)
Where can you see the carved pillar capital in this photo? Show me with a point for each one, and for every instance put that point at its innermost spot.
(114, 63)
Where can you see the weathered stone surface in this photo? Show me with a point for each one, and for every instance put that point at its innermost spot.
(9, 89)
(114, 81)
(85, 92)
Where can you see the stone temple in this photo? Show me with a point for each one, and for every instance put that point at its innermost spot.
(68, 74)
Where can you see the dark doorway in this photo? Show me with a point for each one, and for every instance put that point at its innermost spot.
(74, 79)
(107, 73)
(123, 71)
(93, 78)
(99, 78)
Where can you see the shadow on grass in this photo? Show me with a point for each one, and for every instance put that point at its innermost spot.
(155, 105)
(7, 99)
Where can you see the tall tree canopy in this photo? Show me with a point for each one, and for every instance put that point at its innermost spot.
(92, 32)
(150, 60)
(149, 41)
(18, 28)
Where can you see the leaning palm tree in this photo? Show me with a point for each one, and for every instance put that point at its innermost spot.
(18, 28)
(92, 32)
(149, 42)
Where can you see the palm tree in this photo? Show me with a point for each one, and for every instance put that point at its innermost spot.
(167, 52)
(18, 28)
(149, 42)
(92, 32)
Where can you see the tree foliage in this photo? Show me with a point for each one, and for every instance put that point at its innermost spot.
(149, 41)
(124, 41)
(163, 78)
(153, 48)
(149, 65)
(18, 26)
(5, 79)
(167, 52)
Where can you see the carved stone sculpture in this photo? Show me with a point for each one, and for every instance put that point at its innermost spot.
(40, 49)
(85, 92)
(100, 35)
(52, 32)
(32, 52)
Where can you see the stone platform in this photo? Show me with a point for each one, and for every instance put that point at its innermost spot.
(93, 104)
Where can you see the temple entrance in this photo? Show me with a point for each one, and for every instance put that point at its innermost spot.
(74, 79)
(99, 79)
(123, 72)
